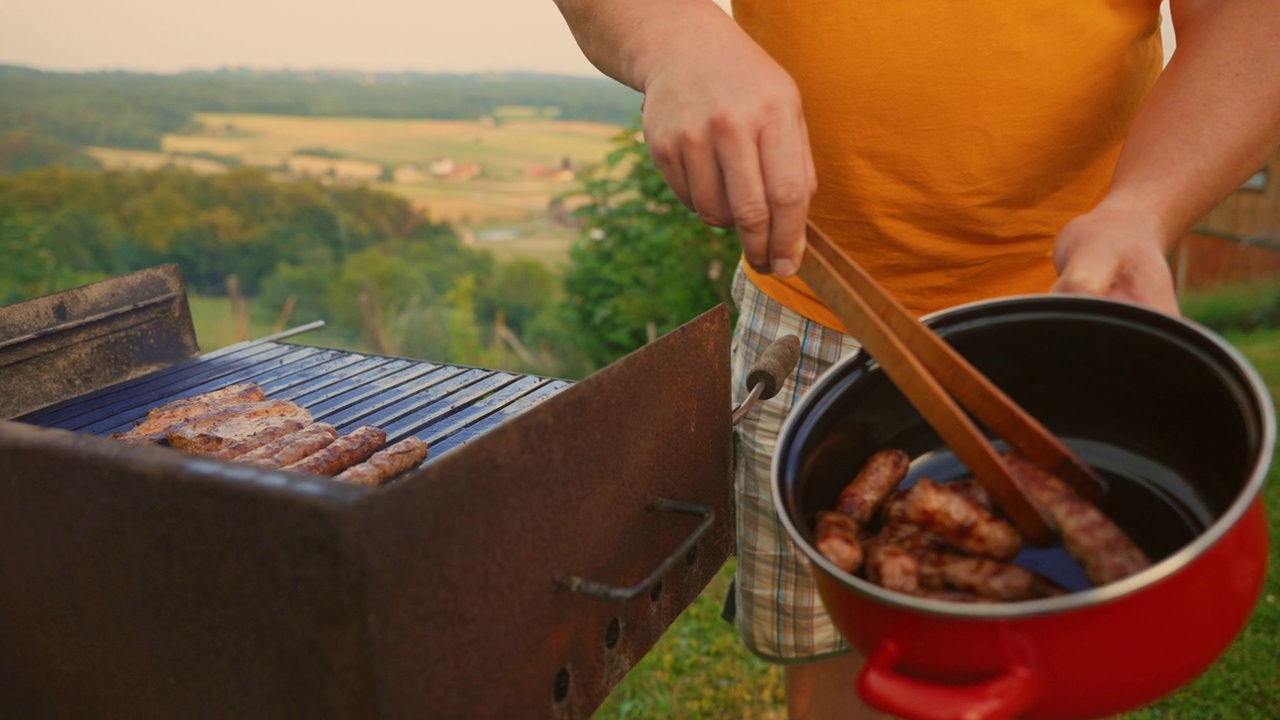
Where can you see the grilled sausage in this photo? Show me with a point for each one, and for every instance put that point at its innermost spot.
(271, 433)
(836, 536)
(875, 480)
(893, 567)
(959, 521)
(911, 538)
(973, 490)
(1103, 550)
(386, 464)
(342, 453)
(292, 448)
(984, 577)
(160, 420)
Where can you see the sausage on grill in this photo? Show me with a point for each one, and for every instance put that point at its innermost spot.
(293, 447)
(271, 433)
(386, 464)
(342, 453)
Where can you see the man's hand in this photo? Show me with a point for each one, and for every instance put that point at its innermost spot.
(1116, 252)
(724, 125)
(722, 120)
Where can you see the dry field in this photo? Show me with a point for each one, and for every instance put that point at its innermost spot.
(513, 158)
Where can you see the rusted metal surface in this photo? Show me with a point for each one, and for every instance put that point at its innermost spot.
(69, 343)
(143, 582)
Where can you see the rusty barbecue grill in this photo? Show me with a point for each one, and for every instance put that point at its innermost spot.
(553, 534)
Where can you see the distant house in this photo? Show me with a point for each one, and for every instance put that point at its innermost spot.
(441, 166)
(1238, 241)
(465, 171)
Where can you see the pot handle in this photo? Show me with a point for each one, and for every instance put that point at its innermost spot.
(1003, 696)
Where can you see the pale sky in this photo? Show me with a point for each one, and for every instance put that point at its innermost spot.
(374, 35)
(383, 35)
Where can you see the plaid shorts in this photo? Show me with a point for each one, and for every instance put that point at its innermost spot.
(778, 612)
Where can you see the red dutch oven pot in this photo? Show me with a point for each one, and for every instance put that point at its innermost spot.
(1182, 429)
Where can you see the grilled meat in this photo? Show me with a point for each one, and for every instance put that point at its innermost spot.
(342, 453)
(210, 432)
(1103, 550)
(293, 447)
(984, 577)
(386, 464)
(271, 433)
(893, 567)
(836, 537)
(161, 419)
(956, 519)
(875, 480)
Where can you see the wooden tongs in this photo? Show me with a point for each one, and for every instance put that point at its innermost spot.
(938, 381)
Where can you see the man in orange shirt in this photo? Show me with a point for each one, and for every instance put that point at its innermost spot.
(957, 151)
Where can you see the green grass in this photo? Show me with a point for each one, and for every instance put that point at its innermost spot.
(698, 669)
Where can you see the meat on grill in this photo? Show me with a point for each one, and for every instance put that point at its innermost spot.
(241, 424)
(161, 419)
(342, 453)
(235, 449)
(386, 464)
(293, 447)
(214, 430)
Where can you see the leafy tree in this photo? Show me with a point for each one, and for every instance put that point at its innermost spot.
(644, 263)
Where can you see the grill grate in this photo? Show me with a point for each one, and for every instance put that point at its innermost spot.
(444, 405)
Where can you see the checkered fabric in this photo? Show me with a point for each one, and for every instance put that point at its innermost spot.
(778, 612)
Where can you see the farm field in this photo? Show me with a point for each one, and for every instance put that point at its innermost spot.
(494, 179)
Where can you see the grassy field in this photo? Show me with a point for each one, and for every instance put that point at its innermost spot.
(510, 197)
(513, 156)
(698, 670)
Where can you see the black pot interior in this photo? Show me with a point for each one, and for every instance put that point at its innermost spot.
(1161, 409)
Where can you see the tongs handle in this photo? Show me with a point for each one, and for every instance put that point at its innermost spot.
(933, 377)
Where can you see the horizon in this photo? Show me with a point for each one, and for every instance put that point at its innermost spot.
(375, 36)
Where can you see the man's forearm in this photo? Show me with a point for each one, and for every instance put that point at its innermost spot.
(624, 39)
(1212, 117)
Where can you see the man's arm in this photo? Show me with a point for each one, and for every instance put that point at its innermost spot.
(1209, 122)
(722, 120)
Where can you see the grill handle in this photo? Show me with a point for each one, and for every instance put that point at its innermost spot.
(769, 372)
(627, 594)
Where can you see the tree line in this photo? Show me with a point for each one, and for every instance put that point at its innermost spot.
(46, 117)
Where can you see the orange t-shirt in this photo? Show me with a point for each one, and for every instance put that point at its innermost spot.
(953, 140)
